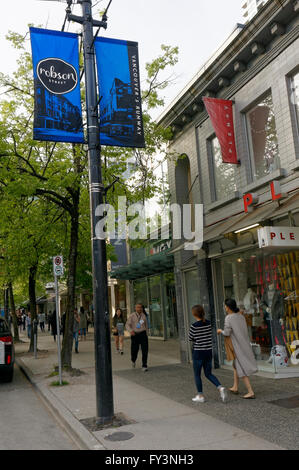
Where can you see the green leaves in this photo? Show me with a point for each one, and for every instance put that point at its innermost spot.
(40, 182)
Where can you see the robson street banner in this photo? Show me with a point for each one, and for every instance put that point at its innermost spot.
(57, 103)
(221, 115)
(119, 90)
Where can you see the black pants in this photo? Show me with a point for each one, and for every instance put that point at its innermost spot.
(139, 339)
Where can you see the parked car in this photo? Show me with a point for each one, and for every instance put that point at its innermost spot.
(7, 353)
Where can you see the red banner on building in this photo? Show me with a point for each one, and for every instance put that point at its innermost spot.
(221, 115)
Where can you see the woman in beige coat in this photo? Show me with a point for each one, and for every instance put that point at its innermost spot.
(244, 364)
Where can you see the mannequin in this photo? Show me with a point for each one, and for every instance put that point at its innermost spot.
(273, 306)
(250, 301)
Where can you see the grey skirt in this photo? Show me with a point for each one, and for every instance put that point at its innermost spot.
(120, 329)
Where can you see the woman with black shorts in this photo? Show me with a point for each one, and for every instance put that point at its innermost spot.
(118, 330)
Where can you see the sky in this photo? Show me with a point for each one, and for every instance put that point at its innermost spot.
(197, 27)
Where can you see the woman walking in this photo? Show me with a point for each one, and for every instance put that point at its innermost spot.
(201, 335)
(244, 363)
(83, 323)
(118, 330)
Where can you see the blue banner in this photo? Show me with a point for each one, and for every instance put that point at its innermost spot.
(57, 104)
(119, 90)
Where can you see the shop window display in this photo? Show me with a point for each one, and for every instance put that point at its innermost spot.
(266, 288)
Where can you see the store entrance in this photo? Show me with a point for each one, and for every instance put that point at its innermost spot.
(266, 288)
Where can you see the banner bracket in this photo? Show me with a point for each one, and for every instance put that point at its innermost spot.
(98, 103)
(93, 111)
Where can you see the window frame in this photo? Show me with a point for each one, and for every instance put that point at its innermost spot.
(293, 111)
(212, 171)
(252, 163)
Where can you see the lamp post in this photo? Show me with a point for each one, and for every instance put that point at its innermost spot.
(103, 364)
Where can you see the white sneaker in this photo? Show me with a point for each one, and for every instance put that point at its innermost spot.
(223, 394)
(199, 399)
(144, 369)
(133, 365)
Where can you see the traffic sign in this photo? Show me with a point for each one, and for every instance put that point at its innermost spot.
(58, 265)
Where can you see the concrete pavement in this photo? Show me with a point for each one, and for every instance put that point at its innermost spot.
(25, 424)
(158, 420)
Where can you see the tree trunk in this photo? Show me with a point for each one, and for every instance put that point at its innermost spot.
(13, 313)
(32, 301)
(6, 305)
(67, 345)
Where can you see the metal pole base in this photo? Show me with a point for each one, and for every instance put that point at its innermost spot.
(104, 421)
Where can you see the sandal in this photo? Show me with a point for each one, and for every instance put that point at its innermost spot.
(252, 397)
(235, 392)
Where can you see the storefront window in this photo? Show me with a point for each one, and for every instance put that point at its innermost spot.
(192, 291)
(170, 306)
(140, 292)
(155, 306)
(266, 289)
(263, 138)
(224, 173)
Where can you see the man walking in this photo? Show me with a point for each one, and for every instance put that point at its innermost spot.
(76, 326)
(138, 327)
(41, 319)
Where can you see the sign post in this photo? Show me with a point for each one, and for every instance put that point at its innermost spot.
(58, 271)
(103, 362)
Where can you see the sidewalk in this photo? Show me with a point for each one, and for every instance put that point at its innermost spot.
(157, 403)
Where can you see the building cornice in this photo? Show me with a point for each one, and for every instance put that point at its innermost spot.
(236, 65)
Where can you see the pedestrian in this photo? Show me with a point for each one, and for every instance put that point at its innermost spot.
(28, 324)
(41, 319)
(49, 319)
(83, 323)
(20, 321)
(76, 326)
(24, 316)
(118, 330)
(200, 334)
(138, 327)
(244, 363)
(53, 323)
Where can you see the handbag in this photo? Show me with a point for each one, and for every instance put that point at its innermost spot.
(229, 349)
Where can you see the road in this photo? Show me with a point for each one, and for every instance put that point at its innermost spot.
(25, 422)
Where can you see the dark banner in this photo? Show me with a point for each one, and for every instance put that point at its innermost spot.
(57, 108)
(119, 82)
(221, 115)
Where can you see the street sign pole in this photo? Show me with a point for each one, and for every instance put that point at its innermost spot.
(104, 387)
(58, 330)
(58, 271)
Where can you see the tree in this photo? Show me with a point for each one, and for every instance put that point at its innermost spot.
(56, 175)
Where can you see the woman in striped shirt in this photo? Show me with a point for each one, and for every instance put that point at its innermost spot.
(201, 335)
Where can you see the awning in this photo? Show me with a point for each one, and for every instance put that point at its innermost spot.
(162, 262)
(288, 205)
(258, 215)
(216, 230)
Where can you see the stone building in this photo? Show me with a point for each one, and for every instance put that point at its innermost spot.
(258, 69)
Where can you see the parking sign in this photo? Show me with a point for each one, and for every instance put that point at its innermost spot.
(58, 265)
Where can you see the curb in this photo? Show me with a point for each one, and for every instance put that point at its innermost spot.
(71, 425)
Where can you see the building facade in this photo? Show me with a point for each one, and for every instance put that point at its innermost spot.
(251, 8)
(151, 282)
(259, 72)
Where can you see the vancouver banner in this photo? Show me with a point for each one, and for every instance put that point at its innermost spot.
(120, 98)
(57, 109)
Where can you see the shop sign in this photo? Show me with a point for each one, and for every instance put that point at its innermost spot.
(164, 246)
(282, 237)
(252, 199)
